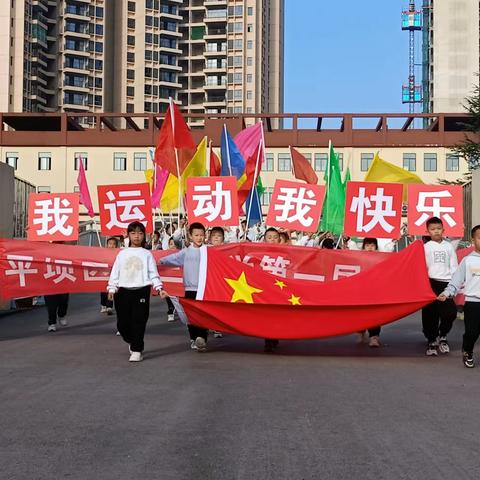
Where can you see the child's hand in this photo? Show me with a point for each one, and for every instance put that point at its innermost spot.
(441, 297)
(163, 294)
(110, 296)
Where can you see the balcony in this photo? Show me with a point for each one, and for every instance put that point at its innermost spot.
(215, 101)
(216, 34)
(76, 12)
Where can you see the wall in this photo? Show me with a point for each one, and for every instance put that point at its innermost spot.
(7, 198)
(476, 197)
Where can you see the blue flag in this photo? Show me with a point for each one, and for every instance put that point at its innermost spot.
(233, 164)
(255, 210)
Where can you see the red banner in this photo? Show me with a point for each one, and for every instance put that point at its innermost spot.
(53, 216)
(121, 205)
(212, 201)
(296, 206)
(442, 201)
(373, 209)
(30, 269)
(244, 300)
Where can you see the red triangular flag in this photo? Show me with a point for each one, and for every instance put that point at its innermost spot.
(174, 134)
(302, 170)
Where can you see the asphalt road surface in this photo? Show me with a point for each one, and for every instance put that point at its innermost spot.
(73, 407)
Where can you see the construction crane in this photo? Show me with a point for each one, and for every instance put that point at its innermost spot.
(411, 22)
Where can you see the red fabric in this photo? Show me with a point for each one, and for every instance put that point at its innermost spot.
(171, 136)
(246, 187)
(53, 216)
(302, 168)
(444, 201)
(215, 165)
(29, 269)
(380, 295)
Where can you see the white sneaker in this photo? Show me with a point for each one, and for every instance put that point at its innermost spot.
(103, 309)
(63, 322)
(362, 337)
(374, 342)
(460, 316)
(217, 334)
(192, 345)
(201, 344)
(117, 334)
(431, 350)
(443, 346)
(135, 357)
(52, 328)
(170, 317)
(109, 311)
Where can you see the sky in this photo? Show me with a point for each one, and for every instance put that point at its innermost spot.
(345, 56)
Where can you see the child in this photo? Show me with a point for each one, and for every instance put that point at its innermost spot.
(371, 245)
(189, 259)
(106, 304)
(271, 236)
(438, 317)
(57, 306)
(216, 237)
(133, 274)
(468, 274)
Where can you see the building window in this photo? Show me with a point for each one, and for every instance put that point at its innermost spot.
(139, 162)
(453, 164)
(249, 61)
(250, 11)
(249, 44)
(130, 40)
(320, 162)
(44, 161)
(365, 161)
(119, 161)
(410, 162)
(266, 197)
(430, 162)
(11, 158)
(131, 6)
(130, 91)
(269, 163)
(76, 189)
(284, 162)
(44, 189)
(77, 157)
(130, 74)
(249, 94)
(249, 78)
(250, 28)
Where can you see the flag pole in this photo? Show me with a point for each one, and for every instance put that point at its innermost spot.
(172, 119)
(260, 147)
(328, 181)
(227, 149)
(291, 159)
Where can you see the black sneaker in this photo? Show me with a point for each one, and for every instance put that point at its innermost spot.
(468, 360)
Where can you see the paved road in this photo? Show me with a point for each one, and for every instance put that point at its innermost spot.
(73, 407)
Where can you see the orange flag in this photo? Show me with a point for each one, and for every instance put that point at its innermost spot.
(302, 170)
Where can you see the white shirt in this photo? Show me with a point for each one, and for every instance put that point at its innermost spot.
(134, 268)
(441, 260)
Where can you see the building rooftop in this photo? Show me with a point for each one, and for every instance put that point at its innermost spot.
(281, 130)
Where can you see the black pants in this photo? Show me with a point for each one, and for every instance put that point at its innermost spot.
(104, 301)
(57, 306)
(193, 330)
(374, 332)
(438, 317)
(133, 308)
(472, 325)
(171, 306)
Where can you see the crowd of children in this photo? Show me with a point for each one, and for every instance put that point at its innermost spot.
(134, 275)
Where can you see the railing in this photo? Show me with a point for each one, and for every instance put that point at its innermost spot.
(20, 208)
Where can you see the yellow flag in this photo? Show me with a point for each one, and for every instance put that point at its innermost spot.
(149, 177)
(382, 171)
(197, 167)
(169, 200)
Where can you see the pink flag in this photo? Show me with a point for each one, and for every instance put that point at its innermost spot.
(85, 198)
(247, 140)
(161, 176)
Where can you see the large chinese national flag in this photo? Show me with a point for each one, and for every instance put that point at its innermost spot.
(238, 298)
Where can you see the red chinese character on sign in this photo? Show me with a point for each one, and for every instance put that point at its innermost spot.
(212, 200)
(442, 201)
(121, 205)
(296, 206)
(373, 209)
(53, 216)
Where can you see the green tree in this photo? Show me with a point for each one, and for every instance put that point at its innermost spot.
(470, 149)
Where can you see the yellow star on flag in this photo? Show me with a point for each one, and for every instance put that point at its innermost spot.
(242, 291)
(280, 284)
(294, 300)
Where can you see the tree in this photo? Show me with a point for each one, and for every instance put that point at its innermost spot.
(470, 149)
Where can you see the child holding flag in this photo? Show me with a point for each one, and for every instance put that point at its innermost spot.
(133, 275)
(468, 274)
(189, 259)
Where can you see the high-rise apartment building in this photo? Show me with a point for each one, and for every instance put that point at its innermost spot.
(451, 55)
(213, 56)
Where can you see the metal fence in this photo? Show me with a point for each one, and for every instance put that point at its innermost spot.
(20, 207)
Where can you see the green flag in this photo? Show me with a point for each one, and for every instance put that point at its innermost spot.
(333, 212)
(260, 187)
(346, 178)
